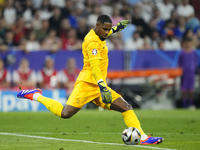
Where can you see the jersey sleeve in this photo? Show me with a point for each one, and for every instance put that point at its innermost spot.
(110, 32)
(94, 51)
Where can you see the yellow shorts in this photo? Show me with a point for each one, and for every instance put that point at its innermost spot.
(85, 92)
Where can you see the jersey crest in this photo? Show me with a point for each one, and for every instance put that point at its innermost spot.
(94, 52)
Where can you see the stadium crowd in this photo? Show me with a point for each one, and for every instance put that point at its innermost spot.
(55, 25)
(33, 25)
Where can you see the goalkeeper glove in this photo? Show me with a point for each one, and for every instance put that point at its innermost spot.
(120, 25)
(105, 93)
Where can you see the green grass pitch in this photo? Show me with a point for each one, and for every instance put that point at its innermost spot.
(45, 131)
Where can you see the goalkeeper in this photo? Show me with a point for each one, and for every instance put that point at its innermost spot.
(91, 82)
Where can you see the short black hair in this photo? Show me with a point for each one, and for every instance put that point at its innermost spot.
(104, 18)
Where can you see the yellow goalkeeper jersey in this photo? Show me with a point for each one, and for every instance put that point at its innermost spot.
(93, 48)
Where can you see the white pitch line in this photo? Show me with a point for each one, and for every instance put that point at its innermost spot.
(197, 134)
(83, 141)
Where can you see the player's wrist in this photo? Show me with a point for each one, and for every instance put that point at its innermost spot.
(102, 85)
(101, 80)
(120, 25)
(115, 29)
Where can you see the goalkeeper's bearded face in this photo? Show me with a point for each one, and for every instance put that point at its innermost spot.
(102, 29)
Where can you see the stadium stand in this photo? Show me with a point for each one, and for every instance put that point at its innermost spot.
(34, 29)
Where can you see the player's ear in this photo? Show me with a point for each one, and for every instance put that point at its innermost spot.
(97, 24)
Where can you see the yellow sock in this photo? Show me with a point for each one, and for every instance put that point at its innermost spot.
(131, 120)
(52, 105)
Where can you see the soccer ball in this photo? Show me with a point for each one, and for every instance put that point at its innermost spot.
(131, 136)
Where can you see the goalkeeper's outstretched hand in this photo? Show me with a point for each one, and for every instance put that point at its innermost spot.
(105, 93)
(121, 25)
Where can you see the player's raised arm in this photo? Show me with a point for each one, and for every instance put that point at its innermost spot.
(120, 26)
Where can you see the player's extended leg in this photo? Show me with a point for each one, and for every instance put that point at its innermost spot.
(54, 106)
(68, 111)
(131, 120)
(128, 114)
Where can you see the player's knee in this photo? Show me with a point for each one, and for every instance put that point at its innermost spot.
(128, 107)
(66, 115)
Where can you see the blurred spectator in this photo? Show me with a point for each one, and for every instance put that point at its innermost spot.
(68, 76)
(185, 9)
(173, 17)
(71, 42)
(48, 76)
(190, 34)
(146, 44)
(180, 28)
(168, 27)
(5, 76)
(147, 9)
(32, 44)
(107, 8)
(9, 12)
(129, 30)
(151, 27)
(135, 42)
(3, 28)
(115, 42)
(76, 14)
(154, 40)
(159, 21)
(24, 77)
(9, 40)
(36, 22)
(138, 21)
(193, 23)
(55, 20)
(22, 45)
(37, 3)
(89, 6)
(52, 42)
(66, 11)
(188, 63)
(125, 9)
(43, 32)
(82, 29)
(161, 45)
(19, 8)
(171, 43)
(58, 3)
(28, 13)
(64, 29)
(80, 10)
(165, 8)
(20, 30)
(92, 18)
(116, 16)
(46, 9)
